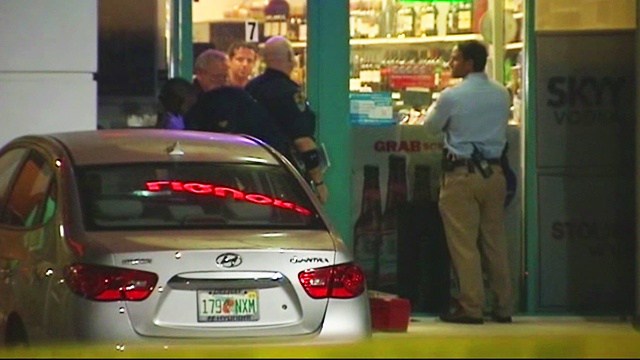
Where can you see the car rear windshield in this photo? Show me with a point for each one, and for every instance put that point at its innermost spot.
(195, 196)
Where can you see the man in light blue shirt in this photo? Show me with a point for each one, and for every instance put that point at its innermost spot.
(473, 116)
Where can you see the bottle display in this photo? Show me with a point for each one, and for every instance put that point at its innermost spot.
(396, 200)
(452, 19)
(364, 19)
(367, 238)
(427, 16)
(387, 18)
(405, 21)
(276, 18)
(465, 18)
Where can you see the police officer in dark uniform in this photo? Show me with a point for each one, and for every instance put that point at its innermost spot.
(286, 103)
(224, 108)
(230, 109)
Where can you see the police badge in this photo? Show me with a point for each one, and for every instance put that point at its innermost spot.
(300, 100)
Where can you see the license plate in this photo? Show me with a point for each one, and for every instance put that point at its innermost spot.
(224, 305)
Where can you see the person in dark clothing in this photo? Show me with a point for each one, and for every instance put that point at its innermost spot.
(230, 109)
(176, 97)
(285, 102)
(221, 107)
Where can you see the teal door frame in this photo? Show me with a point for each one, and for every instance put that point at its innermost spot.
(328, 91)
(530, 223)
(181, 46)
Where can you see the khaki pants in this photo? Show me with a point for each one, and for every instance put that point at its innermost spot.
(472, 210)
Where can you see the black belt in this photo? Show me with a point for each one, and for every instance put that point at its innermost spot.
(469, 162)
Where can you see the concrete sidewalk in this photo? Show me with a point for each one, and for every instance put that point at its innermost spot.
(527, 336)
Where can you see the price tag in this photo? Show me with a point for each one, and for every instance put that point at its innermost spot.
(251, 31)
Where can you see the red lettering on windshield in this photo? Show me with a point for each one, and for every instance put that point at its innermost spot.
(199, 188)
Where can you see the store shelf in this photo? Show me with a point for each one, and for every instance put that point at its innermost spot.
(404, 40)
(414, 40)
(515, 46)
(298, 44)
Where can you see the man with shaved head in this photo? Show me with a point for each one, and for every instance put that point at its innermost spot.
(285, 101)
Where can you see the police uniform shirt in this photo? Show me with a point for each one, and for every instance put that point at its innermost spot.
(476, 111)
(285, 102)
(232, 110)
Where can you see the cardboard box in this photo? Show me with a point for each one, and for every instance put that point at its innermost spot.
(389, 312)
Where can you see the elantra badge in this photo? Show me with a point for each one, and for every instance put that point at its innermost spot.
(229, 260)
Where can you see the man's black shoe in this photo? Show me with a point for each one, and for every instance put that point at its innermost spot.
(460, 318)
(501, 319)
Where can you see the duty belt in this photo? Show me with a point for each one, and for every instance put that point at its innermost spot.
(467, 162)
(449, 165)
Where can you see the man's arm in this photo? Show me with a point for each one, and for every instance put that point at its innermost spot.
(438, 113)
(306, 144)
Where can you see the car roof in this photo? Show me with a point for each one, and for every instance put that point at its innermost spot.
(106, 146)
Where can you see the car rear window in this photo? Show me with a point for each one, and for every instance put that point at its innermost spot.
(193, 195)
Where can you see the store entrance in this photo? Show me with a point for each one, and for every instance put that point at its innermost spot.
(398, 53)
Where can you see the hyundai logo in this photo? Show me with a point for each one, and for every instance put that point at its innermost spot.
(229, 260)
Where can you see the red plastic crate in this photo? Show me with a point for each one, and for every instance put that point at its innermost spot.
(389, 312)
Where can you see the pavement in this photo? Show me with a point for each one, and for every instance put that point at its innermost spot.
(525, 337)
(425, 337)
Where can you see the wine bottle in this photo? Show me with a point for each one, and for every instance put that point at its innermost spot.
(395, 200)
(367, 237)
(276, 17)
(427, 20)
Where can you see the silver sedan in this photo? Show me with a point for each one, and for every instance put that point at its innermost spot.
(161, 236)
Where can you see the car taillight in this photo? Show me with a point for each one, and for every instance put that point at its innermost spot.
(105, 283)
(342, 281)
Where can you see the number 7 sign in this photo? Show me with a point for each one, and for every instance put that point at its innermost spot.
(251, 31)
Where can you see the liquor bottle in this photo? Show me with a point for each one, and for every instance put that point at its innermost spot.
(396, 199)
(367, 237)
(465, 18)
(387, 18)
(276, 17)
(405, 21)
(293, 27)
(452, 19)
(302, 26)
(427, 16)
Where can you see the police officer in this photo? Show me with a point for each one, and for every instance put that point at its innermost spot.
(473, 116)
(284, 100)
(224, 108)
